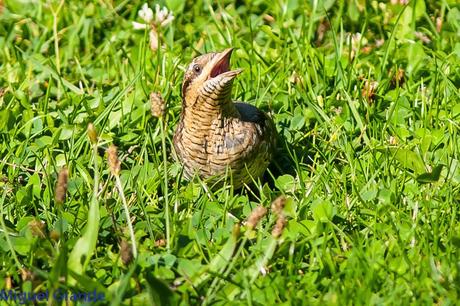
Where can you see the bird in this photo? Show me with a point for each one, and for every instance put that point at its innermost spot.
(217, 138)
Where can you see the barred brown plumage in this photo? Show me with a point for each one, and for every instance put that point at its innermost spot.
(216, 136)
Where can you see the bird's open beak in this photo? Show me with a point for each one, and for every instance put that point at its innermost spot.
(220, 65)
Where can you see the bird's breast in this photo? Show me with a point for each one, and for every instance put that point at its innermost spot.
(209, 146)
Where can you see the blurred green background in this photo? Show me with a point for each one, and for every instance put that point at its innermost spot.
(364, 93)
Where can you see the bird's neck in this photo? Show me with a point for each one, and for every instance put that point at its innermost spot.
(205, 112)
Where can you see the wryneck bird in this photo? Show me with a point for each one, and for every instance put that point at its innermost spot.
(216, 137)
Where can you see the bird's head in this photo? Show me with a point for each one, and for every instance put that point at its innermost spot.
(209, 75)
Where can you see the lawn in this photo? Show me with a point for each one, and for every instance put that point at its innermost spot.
(361, 205)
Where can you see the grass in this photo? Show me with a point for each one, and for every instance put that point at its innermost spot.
(368, 163)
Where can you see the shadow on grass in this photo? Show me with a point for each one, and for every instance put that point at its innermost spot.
(288, 159)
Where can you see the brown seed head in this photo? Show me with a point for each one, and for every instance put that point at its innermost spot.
(369, 89)
(236, 230)
(92, 134)
(26, 275)
(255, 216)
(160, 243)
(61, 186)
(367, 49)
(54, 235)
(268, 18)
(279, 226)
(393, 141)
(296, 79)
(323, 27)
(278, 204)
(126, 252)
(8, 283)
(114, 162)
(398, 77)
(438, 24)
(157, 104)
(37, 228)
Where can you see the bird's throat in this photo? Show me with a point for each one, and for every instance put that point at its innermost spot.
(203, 113)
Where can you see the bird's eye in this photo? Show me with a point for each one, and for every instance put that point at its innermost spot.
(197, 68)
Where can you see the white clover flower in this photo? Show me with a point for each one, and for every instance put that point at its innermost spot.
(139, 26)
(154, 22)
(146, 13)
(163, 17)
